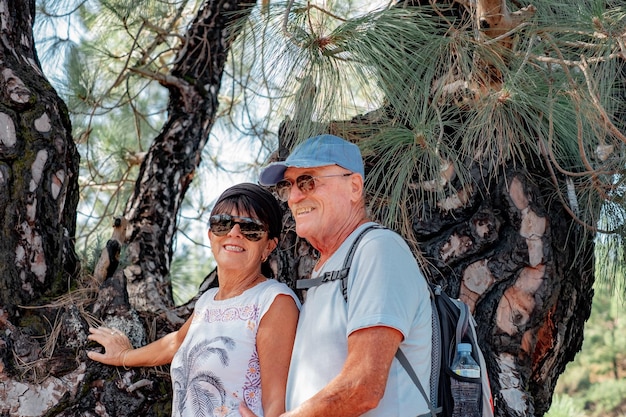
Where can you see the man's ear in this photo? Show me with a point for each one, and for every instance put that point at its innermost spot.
(356, 182)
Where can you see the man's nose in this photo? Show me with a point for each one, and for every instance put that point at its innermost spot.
(295, 194)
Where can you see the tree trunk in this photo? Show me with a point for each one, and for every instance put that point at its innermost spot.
(503, 244)
(509, 254)
(174, 155)
(38, 171)
(38, 199)
(44, 368)
(513, 254)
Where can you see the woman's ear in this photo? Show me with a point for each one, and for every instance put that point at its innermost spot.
(271, 245)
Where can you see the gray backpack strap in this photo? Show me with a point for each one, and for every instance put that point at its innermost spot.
(435, 365)
(342, 274)
(404, 361)
(305, 284)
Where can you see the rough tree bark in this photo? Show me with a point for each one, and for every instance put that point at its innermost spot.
(38, 170)
(511, 254)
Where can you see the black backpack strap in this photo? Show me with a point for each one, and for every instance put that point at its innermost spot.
(342, 273)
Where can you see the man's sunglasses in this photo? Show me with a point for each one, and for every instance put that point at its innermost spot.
(251, 229)
(305, 183)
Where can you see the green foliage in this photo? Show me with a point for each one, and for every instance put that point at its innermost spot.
(594, 384)
(564, 406)
(116, 109)
(607, 333)
(108, 66)
(577, 380)
(189, 268)
(555, 95)
(611, 270)
(604, 397)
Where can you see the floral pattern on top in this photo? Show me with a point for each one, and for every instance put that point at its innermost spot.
(217, 365)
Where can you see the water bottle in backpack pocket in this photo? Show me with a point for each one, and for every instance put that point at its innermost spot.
(465, 383)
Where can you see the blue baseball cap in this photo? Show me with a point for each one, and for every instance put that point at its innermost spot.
(315, 152)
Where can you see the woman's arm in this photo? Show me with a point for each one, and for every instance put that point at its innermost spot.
(275, 338)
(119, 352)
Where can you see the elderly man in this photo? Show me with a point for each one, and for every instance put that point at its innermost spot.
(343, 359)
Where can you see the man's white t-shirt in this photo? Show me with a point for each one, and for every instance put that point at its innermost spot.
(385, 288)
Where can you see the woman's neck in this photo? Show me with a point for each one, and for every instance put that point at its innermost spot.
(230, 287)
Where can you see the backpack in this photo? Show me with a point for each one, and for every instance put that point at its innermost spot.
(452, 324)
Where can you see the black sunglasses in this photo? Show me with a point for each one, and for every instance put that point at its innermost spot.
(251, 229)
(305, 183)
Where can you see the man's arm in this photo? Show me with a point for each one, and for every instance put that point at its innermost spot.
(361, 383)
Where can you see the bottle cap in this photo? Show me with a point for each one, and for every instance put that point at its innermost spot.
(464, 347)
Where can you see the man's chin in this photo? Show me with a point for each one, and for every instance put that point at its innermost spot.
(303, 230)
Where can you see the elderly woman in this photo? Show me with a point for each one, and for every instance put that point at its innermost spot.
(236, 347)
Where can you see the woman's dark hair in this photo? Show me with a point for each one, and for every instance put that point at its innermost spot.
(254, 200)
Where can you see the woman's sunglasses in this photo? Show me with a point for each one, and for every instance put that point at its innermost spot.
(251, 229)
(305, 183)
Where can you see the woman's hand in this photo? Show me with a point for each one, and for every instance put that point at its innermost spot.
(116, 345)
